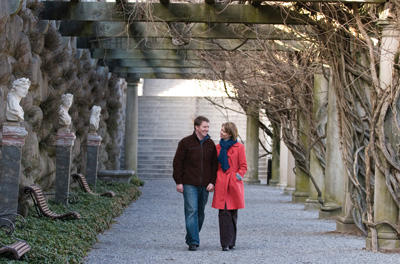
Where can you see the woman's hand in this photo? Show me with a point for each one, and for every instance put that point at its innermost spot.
(210, 187)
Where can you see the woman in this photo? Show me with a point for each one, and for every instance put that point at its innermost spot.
(229, 189)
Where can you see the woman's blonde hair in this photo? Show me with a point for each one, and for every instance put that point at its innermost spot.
(231, 129)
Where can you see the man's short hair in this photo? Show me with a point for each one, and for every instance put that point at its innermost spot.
(199, 120)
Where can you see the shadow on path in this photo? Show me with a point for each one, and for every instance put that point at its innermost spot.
(270, 230)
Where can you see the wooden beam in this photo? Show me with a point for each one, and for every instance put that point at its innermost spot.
(139, 55)
(172, 12)
(161, 70)
(141, 30)
(135, 76)
(167, 44)
(150, 63)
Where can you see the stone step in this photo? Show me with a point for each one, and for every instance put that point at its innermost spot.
(153, 158)
(144, 176)
(149, 163)
(157, 171)
(159, 166)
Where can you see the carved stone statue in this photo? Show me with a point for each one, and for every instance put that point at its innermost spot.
(94, 119)
(19, 90)
(64, 119)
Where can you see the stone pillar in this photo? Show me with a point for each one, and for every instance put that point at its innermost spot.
(131, 127)
(276, 130)
(302, 182)
(321, 85)
(252, 150)
(65, 141)
(12, 142)
(334, 169)
(345, 221)
(92, 149)
(283, 165)
(291, 176)
(385, 208)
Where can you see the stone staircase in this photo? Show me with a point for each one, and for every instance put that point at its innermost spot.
(164, 121)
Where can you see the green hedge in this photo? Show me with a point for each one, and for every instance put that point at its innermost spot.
(69, 241)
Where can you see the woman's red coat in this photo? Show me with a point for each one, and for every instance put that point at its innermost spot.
(228, 189)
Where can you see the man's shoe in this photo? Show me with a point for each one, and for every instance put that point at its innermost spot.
(225, 248)
(231, 247)
(193, 247)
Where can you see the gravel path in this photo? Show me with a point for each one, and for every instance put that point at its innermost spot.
(270, 230)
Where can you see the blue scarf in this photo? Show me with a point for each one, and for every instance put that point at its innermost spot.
(223, 154)
(204, 139)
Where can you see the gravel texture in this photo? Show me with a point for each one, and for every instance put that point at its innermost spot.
(270, 230)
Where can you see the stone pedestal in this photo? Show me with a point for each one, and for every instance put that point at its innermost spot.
(345, 223)
(12, 142)
(116, 175)
(65, 141)
(92, 149)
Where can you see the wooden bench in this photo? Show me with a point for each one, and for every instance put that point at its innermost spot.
(41, 205)
(17, 249)
(85, 186)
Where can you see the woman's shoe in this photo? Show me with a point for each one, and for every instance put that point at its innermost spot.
(225, 248)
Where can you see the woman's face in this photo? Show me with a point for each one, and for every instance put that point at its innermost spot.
(223, 134)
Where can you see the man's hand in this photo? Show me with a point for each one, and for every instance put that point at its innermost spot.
(210, 187)
(179, 188)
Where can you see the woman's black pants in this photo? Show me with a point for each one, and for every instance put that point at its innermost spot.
(227, 227)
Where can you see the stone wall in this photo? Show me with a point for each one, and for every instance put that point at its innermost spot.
(34, 49)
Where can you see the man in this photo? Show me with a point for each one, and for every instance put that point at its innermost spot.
(195, 171)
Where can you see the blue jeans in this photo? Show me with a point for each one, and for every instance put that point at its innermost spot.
(195, 198)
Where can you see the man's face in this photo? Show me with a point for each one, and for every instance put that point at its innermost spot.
(202, 130)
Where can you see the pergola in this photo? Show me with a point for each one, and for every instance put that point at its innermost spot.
(159, 40)
(131, 39)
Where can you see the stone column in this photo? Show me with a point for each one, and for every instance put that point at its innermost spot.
(92, 149)
(65, 141)
(283, 165)
(276, 129)
(291, 176)
(12, 142)
(321, 85)
(385, 208)
(131, 127)
(345, 221)
(302, 182)
(252, 150)
(334, 169)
